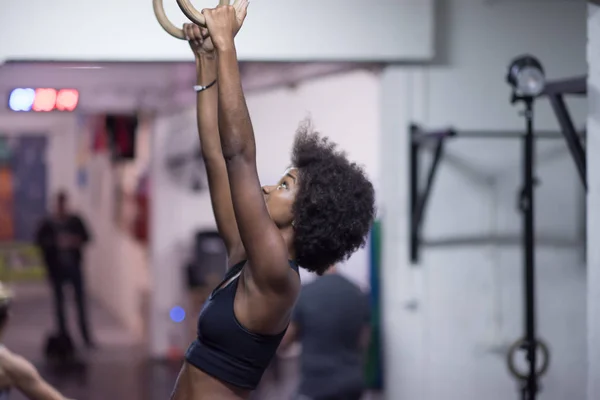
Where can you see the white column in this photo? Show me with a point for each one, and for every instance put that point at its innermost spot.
(402, 324)
(593, 226)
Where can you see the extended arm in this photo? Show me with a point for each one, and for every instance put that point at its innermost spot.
(27, 379)
(263, 243)
(208, 129)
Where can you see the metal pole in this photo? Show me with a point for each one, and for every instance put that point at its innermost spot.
(528, 209)
(414, 194)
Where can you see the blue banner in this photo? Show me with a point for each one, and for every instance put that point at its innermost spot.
(23, 196)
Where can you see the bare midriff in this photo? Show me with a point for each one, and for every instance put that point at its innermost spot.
(194, 384)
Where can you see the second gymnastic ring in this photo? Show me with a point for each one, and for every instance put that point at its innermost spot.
(519, 345)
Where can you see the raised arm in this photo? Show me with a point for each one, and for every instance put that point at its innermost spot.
(210, 143)
(264, 245)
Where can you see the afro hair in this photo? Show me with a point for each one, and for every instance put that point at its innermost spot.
(335, 203)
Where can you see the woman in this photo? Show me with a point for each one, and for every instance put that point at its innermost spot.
(319, 213)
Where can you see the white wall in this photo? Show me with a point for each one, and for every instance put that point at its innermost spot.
(118, 271)
(274, 31)
(448, 321)
(343, 107)
(593, 145)
(175, 215)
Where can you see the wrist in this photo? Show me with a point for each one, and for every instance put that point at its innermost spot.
(206, 68)
(205, 58)
(228, 47)
(206, 54)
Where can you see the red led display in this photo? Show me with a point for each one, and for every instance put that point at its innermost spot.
(43, 99)
(67, 100)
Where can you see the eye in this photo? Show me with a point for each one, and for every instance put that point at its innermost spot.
(283, 185)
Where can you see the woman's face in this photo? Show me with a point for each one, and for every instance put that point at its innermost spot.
(280, 198)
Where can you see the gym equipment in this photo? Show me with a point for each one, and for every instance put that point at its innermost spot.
(527, 87)
(188, 9)
(209, 262)
(59, 348)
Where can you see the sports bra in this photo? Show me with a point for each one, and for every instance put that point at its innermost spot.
(224, 349)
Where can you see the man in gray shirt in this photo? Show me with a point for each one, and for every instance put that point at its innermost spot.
(331, 321)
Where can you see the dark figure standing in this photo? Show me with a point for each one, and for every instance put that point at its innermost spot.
(332, 322)
(61, 238)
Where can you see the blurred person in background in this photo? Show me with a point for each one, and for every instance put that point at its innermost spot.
(61, 238)
(15, 371)
(331, 321)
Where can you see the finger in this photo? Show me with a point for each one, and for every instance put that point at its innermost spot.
(186, 31)
(203, 32)
(207, 15)
(196, 32)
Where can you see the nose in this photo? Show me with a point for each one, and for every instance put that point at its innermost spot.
(267, 189)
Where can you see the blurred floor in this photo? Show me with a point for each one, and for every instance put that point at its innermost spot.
(118, 369)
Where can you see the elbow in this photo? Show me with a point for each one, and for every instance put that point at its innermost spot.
(237, 142)
(233, 154)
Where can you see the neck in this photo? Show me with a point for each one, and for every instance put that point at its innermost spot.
(332, 270)
(288, 236)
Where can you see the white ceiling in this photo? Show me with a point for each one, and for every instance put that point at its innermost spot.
(133, 86)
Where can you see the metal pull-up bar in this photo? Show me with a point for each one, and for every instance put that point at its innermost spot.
(487, 134)
(419, 196)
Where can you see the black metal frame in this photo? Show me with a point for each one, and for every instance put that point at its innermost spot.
(419, 196)
(555, 92)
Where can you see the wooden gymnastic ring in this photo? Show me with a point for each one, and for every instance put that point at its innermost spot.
(520, 344)
(194, 15)
(159, 11)
(187, 8)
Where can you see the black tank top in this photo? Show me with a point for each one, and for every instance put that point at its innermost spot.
(224, 349)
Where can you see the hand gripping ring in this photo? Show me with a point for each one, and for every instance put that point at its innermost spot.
(520, 345)
(188, 9)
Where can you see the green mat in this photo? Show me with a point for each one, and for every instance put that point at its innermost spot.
(374, 367)
(20, 262)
